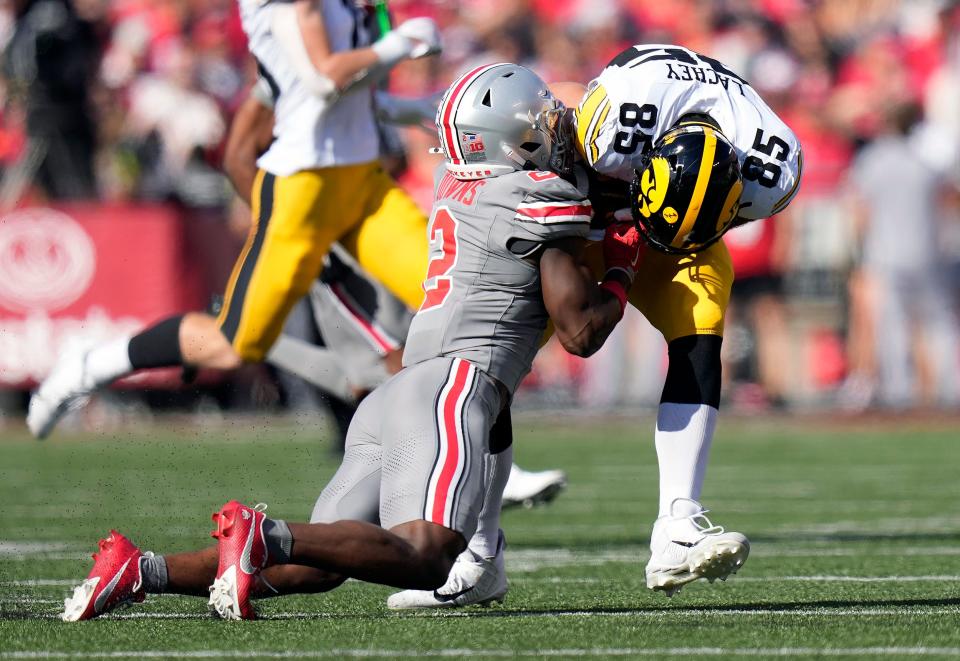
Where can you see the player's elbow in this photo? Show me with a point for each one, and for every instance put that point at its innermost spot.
(582, 343)
(576, 348)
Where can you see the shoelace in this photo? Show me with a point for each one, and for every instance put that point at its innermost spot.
(700, 518)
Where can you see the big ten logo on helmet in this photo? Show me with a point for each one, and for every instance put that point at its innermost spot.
(47, 260)
(473, 148)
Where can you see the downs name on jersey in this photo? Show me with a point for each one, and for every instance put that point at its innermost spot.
(481, 282)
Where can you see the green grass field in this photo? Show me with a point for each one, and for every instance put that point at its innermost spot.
(855, 532)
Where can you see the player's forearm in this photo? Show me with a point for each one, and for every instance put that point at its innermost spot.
(583, 332)
(252, 120)
(301, 34)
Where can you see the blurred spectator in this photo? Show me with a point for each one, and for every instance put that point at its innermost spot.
(171, 123)
(48, 64)
(755, 337)
(913, 320)
(159, 79)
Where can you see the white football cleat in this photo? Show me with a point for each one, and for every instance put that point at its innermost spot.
(529, 488)
(686, 546)
(473, 580)
(68, 387)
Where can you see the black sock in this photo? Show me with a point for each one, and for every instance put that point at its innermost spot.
(157, 346)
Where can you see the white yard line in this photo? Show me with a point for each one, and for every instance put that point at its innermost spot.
(933, 578)
(12, 548)
(816, 578)
(460, 653)
(51, 557)
(536, 558)
(854, 579)
(652, 613)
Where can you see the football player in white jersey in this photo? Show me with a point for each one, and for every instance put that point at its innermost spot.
(702, 152)
(646, 124)
(319, 182)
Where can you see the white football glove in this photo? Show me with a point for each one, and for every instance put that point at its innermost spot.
(415, 38)
(425, 35)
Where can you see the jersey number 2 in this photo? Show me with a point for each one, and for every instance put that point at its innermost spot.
(442, 234)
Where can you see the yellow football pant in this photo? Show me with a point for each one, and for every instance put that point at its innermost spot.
(295, 221)
(680, 295)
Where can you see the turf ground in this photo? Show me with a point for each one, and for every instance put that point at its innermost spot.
(855, 531)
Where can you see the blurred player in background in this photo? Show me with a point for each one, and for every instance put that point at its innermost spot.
(692, 150)
(362, 326)
(320, 181)
(508, 236)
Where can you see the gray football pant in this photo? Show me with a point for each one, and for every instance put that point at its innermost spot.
(417, 448)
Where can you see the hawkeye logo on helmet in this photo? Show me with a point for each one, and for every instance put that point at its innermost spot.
(473, 148)
(654, 183)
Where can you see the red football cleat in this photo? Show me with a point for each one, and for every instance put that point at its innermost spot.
(243, 553)
(114, 581)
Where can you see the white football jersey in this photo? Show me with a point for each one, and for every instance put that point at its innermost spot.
(310, 132)
(646, 89)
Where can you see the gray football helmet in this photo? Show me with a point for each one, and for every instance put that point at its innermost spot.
(499, 118)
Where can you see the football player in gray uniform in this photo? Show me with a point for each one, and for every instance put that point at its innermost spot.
(361, 323)
(507, 236)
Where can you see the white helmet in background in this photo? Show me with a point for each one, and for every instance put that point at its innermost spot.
(500, 118)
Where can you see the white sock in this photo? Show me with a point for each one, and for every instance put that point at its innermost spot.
(108, 362)
(497, 468)
(683, 437)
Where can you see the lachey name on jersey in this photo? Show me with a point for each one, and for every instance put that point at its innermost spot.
(681, 64)
(689, 72)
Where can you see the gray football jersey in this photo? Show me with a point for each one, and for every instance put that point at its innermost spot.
(483, 301)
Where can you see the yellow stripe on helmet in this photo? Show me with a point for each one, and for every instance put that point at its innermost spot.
(700, 188)
(587, 116)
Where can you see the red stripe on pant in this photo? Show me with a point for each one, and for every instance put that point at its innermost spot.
(449, 422)
(365, 325)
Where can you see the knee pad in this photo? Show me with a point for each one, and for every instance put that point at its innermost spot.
(693, 374)
(501, 434)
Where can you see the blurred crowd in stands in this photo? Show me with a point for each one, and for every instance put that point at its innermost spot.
(846, 300)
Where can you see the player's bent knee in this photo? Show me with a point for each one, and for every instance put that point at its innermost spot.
(436, 548)
(693, 373)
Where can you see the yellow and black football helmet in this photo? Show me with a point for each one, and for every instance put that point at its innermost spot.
(687, 192)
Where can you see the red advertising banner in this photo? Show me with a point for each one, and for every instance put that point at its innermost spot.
(72, 276)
